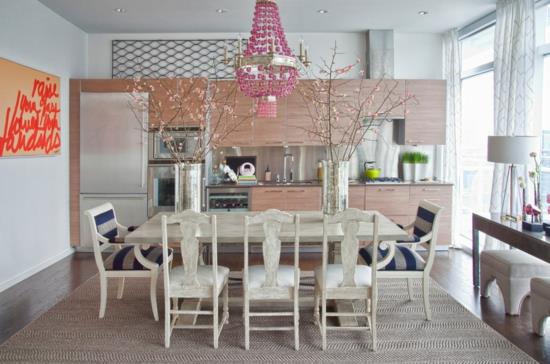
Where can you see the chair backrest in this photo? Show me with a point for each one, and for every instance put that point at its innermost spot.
(188, 222)
(272, 221)
(350, 220)
(103, 227)
(426, 222)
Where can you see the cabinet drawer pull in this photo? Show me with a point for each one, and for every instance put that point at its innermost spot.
(273, 191)
(273, 142)
(295, 142)
(410, 141)
(386, 189)
(296, 191)
(431, 189)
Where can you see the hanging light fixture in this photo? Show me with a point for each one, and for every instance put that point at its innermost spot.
(267, 69)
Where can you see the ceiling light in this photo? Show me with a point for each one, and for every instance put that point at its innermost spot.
(423, 12)
(119, 10)
(221, 11)
(322, 11)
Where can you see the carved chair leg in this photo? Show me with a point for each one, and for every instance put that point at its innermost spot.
(296, 321)
(215, 318)
(410, 288)
(153, 293)
(246, 323)
(120, 291)
(167, 322)
(226, 302)
(103, 295)
(317, 302)
(426, 294)
(324, 322)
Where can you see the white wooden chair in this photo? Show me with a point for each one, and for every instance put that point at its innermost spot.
(347, 281)
(191, 280)
(124, 262)
(271, 281)
(400, 259)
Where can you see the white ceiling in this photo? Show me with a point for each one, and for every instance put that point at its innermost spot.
(197, 16)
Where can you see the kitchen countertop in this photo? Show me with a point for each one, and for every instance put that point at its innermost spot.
(318, 184)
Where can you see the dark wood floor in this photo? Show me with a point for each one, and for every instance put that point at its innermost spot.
(26, 301)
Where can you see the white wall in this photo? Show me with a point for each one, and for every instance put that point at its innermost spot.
(418, 55)
(34, 191)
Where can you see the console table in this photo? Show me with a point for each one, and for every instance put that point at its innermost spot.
(511, 233)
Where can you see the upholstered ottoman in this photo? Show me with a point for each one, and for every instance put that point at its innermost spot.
(512, 270)
(540, 303)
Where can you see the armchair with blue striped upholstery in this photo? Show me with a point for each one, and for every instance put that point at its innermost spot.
(400, 260)
(125, 261)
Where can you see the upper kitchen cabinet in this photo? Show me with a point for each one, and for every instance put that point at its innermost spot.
(178, 102)
(271, 131)
(298, 118)
(387, 97)
(425, 117)
(236, 128)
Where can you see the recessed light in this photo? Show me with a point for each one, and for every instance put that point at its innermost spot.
(423, 12)
(221, 11)
(119, 10)
(322, 11)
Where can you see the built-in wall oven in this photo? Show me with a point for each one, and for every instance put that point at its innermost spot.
(160, 188)
(185, 140)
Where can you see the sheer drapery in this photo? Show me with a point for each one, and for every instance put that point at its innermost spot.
(514, 81)
(448, 168)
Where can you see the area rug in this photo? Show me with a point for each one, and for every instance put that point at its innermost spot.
(71, 332)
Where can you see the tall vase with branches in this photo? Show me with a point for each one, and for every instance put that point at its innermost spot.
(191, 107)
(344, 113)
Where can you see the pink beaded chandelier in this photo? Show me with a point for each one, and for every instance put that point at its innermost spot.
(267, 69)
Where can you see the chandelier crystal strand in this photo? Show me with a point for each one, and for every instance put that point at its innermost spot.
(268, 69)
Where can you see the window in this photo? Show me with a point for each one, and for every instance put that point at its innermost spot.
(547, 36)
(545, 152)
(476, 125)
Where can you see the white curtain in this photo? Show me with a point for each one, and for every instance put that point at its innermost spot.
(448, 168)
(514, 81)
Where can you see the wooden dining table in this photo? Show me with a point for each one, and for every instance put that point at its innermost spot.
(231, 230)
(230, 227)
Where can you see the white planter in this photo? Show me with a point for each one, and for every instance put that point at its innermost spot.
(420, 171)
(408, 172)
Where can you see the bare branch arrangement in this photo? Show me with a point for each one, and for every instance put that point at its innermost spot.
(185, 106)
(344, 112)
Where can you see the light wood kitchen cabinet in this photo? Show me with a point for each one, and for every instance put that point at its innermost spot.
(390, 200)
(286, 198)
(264, 198)
(356, 197)
(160, 93)
(441, 195)
(303, 198)
(298, 118)
(240, 129)
(425, 116)
(270, 132)
(380, 102)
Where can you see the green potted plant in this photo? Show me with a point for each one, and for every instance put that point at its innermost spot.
(415, 166)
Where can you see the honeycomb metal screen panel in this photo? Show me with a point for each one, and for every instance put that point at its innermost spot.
(172, 58)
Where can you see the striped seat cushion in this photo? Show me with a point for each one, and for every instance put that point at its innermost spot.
(125, 259)
(106, 224)
(404, 259)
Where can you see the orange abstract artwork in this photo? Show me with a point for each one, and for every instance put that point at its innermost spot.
(29, 111)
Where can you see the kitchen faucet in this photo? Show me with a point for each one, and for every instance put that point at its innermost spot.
(285, 157)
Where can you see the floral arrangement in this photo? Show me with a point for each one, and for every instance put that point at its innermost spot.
(184, 105)
(342, 120)
(533, 210)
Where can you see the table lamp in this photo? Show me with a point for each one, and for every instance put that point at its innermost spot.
(511, 150)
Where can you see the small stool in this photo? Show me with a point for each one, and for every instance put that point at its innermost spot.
(513, 270)
(540, 303)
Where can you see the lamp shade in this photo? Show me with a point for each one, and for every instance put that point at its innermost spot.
(511, 149)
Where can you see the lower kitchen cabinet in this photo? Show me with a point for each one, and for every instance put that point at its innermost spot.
(286, 198)
(356, 197)
(390, 200)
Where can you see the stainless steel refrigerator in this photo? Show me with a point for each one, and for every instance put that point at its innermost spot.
(113, 158)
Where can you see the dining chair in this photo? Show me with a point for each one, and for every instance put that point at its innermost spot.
(193, 280)
(126, 261)
(271, 281)
(400, 259)
(347, 281)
